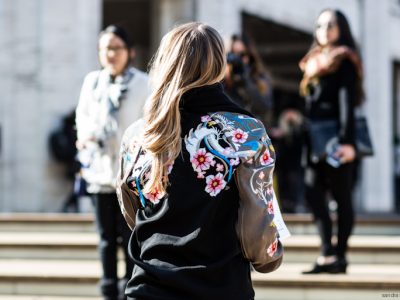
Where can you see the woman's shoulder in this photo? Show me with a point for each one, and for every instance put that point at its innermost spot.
(92, 76)
(134, 131)
(230, 120)
(139, 83)
(139, 76)
(245, 133)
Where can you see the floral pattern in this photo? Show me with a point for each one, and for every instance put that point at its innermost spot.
(206, 118)
(217, 146)
(239, 136)
(272, 248)
(220, 168)
(215, 184)
(154, 197)
(202, 160)
(270, 208)
(266, 158)
(234, 161)
(140, 175)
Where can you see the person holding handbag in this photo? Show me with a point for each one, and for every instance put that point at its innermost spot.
(332, 88)
(195, 180)
(110, 99)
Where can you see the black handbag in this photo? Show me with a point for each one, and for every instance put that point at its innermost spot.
(324, 136)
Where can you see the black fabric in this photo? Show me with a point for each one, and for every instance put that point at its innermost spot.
(188, 248)
(324, 103)
(339, 181)
(210, 98)
(111, 227)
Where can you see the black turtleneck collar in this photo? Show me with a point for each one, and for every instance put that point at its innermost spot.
(209, 98)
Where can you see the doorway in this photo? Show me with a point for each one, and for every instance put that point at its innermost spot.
(135, 17)
(280, 48)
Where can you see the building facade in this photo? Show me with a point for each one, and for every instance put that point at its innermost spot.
(48, 46)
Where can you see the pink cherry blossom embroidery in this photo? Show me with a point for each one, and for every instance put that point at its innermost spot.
(215, 184)
(261, 175)
(154, 196)
(202, 160)
(272, 248)
(200, 175)
(228, 150)
(205, 118)
(234, 162)
(239, 136)
(266, 158)
(270, 208)
(220, 168)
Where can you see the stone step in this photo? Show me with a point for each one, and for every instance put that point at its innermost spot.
(362, 282)
(44, 277)
(49, 245)
(37, 297)
(83, 245)
(51, 222)
(79, 278)
(365, 224)
(362, 249)
(297, 223)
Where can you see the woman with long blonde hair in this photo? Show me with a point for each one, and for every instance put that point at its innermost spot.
(191, 237)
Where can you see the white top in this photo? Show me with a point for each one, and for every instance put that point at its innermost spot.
(103, 114)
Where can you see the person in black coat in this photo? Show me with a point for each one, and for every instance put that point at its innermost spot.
(331, 86)
(246, 80)
(189, 172)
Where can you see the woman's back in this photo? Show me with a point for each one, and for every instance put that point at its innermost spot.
(195, 249)
(186, 241)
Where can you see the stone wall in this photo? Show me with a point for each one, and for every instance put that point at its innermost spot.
(47, 47)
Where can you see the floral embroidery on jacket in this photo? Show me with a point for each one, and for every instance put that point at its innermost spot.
(202, 160)
(266, 158)
(154, 197)
(139, 177)
(239, 136)
(217, 145)
(272, 248)
(215, 184)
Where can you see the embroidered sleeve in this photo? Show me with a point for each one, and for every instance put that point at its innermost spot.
(254, 177)
(127, 198)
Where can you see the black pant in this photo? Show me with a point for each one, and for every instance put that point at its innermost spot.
(113, 231)
(321, 178)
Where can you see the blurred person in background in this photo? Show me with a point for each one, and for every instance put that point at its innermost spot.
(176, 184)
(332, 88)
(62, 144)
(287, 134)
(110, 100)
(246, 80)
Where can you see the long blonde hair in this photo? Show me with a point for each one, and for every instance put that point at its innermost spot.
(191, 55)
